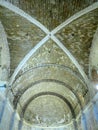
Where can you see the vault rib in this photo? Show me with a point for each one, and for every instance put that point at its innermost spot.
(21, 92)
(47, 93)
(23, 14)
(72, 58)
(74, 17)
(49, 35)
(26, 58)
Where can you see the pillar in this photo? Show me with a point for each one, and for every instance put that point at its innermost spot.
(2, 109)
(75, 124)
(12, 120)
(84, 121)
(95, 110)
(20, 124)
(2, 89)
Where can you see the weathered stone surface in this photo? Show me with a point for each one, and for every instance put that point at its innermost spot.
(51, 13)
(48, 90)
(78, 35)
(4, 55)
(22, 35)
(49, 53)
(55, 112)
(93, 58)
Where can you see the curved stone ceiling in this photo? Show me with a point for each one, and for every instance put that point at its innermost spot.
(37, 116)
(52, 13)
(20, 34)
(52, 77)
(78, 36)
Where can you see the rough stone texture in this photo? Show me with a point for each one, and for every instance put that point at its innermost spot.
(4, 55)
(46, 73)
(40, 83)
(78, 35)
(90, 118)
(50, 87)
(40, 113)
(49, 53)
(8, 110)
(22, 35)
(51, 13)
(49, 80)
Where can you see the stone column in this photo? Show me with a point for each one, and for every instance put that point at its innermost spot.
(0, 55)
(20, 124)
(4, 102)
(75, 124)
(95, 110)
(12, 120)
(84, 121)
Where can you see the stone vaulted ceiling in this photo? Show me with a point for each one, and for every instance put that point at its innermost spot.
(50, 62)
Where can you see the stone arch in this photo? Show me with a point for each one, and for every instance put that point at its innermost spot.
(4, 55)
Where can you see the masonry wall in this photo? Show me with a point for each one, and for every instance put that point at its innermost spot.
(9, 119)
